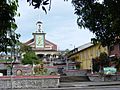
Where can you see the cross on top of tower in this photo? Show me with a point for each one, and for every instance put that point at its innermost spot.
(39, 24)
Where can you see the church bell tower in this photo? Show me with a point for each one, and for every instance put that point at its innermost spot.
(39, 36)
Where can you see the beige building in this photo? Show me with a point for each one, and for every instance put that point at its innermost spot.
(85, 53)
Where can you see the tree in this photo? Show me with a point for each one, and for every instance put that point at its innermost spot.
(40, 3)
(104, 60)
(24, 48)
(100, 62)
(103, 19)
(8, 37)
(30, 58)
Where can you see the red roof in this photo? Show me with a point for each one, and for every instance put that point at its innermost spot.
(48, 45)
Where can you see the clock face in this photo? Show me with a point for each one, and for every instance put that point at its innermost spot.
(39, 41)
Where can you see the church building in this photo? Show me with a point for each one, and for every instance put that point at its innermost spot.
(43, 48)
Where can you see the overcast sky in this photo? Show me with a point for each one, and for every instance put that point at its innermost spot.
(59, 24)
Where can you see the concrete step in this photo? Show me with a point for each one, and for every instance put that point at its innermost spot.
(73, 78)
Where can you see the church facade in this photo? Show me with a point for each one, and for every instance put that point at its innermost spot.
(43, 48)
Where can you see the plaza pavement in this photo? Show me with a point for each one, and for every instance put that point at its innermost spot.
(89, 83)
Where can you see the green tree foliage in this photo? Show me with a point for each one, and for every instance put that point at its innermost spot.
(104, 60)
(100, 62)
(8, 37)
(40, 3)
(30, 58)
(103, 19)
(25, 48)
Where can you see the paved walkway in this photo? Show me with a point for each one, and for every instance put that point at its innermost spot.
(84, 84)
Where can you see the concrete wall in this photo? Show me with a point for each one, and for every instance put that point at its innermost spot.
(28, 82)
(98, 78)
(75, 72)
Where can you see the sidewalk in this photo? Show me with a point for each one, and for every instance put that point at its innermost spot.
(86, 84)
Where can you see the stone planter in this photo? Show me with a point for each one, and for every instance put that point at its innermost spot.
(95, 77)
(28, 82)
(98, 77)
